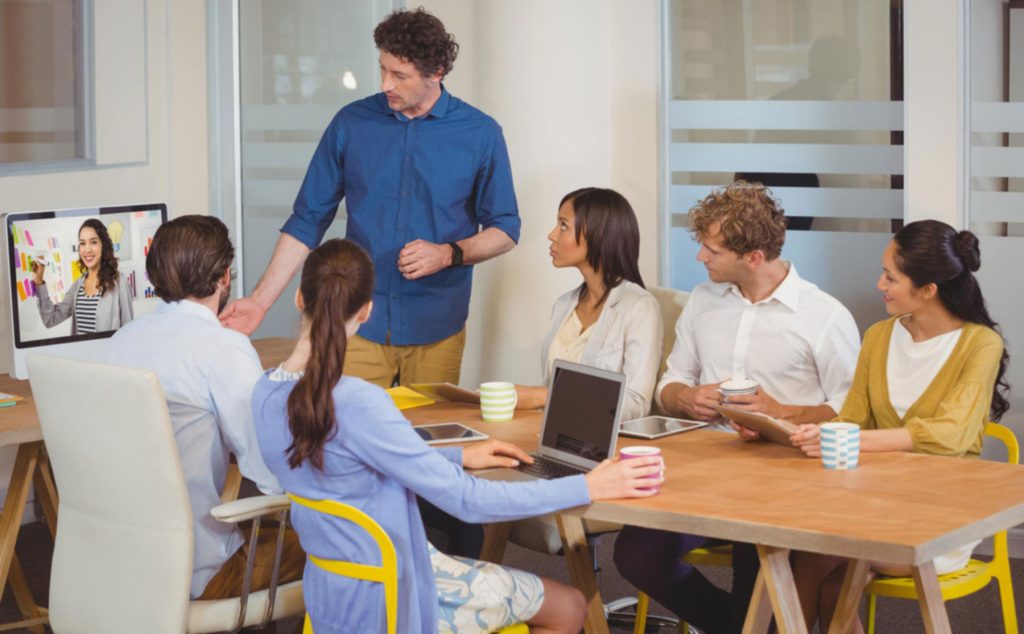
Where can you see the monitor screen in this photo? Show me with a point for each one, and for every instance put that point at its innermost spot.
(581, 414)
(51, 239)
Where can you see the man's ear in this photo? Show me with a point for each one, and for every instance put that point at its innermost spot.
(364, 313)
(755, 258)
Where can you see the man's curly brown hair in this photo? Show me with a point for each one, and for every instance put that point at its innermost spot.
(419, 37)
(751, 219)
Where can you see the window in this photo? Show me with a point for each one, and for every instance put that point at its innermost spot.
(42, 111)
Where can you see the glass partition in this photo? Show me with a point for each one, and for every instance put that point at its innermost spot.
(299, 63)
(807, 99)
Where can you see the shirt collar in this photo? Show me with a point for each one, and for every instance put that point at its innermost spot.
(786, 293)
(439, 111)
(188, 308)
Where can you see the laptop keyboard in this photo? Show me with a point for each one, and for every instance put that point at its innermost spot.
(548, 469)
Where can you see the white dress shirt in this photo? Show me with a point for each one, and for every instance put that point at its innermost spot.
(800, 344)
(207, 373)
(626, 338)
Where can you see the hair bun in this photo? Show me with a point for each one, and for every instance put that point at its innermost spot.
(968, 251)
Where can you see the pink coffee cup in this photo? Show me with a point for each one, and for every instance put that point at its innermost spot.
(627, 453)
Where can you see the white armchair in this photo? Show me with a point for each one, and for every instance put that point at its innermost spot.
(122, 561)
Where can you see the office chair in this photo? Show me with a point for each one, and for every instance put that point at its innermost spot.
(386, 573)
(122, 561)
(976, 575)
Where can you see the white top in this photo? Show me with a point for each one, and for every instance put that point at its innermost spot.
(625, 338)
(569, 343)
(800, 344)
(912, 366)
(207, 373)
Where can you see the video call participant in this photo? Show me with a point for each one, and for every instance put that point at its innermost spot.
(331, 436)
(207, 373)
(420, 171)
(928, 380)
(99, 300)
(758, 319)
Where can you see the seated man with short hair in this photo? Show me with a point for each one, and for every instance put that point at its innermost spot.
(755, 319)
(207, 373)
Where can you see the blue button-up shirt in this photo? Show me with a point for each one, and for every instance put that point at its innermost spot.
(438, 178)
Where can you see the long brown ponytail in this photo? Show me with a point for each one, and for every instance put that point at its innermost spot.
(337, 281)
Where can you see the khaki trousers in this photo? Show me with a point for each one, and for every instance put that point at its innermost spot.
(386, 365)
(227, 582)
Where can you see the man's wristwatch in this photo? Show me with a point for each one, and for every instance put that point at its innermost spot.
(456, 254)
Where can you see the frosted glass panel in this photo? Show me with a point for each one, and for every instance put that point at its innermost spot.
(300, 62)
(805, 97)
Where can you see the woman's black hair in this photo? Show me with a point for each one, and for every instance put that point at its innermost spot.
(107, 272)
(932, 252)
(606, 219)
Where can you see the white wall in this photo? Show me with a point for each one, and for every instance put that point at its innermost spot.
(170, 165)
(574, 84)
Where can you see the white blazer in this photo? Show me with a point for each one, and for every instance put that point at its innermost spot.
(626, 338)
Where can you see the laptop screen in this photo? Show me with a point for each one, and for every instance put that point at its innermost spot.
(581, 413)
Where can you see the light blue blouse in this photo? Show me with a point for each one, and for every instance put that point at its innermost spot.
(377, 463)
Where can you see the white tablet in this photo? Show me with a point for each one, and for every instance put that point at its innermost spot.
(652, 427)
(447, 392)
(444, 433)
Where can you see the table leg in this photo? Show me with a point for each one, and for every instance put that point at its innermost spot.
(778, 577)
(849, 597)
(14, 505)
(581, 571)
(495, 540)
(929, 596)
(759, 614)
(23, 597)
(46, 492)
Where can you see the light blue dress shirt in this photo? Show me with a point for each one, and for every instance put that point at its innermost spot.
(207, 373)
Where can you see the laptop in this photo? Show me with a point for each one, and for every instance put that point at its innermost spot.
(581, 424)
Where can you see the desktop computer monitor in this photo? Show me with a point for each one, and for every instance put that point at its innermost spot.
(51, 238)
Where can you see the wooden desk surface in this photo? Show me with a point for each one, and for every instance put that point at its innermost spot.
(897, 507)
(18, 423)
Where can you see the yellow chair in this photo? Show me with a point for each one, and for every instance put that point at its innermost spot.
(975, 576)
(386, 573)
(716, 556)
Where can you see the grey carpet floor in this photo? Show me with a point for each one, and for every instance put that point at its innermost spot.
(977, 613)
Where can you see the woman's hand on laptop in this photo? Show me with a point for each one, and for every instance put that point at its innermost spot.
(807, 438)
(624, 478)
(493, 453)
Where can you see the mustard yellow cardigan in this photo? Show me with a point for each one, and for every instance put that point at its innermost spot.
(949, 417)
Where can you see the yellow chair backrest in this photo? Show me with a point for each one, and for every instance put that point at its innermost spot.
(386, 573)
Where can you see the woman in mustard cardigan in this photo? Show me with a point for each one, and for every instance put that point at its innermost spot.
(927, 380)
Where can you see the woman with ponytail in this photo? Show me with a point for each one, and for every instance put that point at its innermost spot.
(329, 436)
(928, 378)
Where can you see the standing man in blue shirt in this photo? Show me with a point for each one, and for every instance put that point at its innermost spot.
(429, 193)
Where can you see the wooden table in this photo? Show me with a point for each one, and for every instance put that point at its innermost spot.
(19, 426)
(900, 508)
